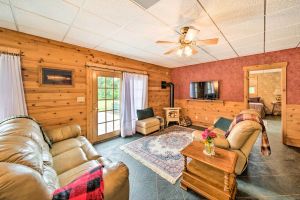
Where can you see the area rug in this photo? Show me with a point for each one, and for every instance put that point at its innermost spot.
(161, 151)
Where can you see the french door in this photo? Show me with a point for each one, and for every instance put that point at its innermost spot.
(106, 103)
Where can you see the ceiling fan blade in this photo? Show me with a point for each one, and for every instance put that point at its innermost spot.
(211, 41)
(171, 51)
(190, 35)
(165, 42)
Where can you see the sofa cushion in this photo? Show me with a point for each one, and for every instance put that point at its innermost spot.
(50, 177)
(149, 122)
(68, 160)
(63, 146)
(145, 113)
(21, 150)
(70, 175)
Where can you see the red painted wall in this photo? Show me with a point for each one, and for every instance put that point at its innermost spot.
(230, 74)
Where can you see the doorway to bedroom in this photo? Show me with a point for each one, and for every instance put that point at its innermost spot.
(265, 91)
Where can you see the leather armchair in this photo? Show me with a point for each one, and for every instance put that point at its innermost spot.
(241, 140)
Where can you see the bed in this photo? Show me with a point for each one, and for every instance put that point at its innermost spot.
(257, 104)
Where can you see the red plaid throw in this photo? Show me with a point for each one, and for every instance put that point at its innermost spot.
(89, 186)
(265, 146)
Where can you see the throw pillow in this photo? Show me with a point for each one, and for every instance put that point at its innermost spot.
(223, 124)
(145, 113)
(88, 186)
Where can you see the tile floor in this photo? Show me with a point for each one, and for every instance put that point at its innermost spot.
(276, 177)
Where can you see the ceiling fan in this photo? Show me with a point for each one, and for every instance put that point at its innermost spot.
(187, 44)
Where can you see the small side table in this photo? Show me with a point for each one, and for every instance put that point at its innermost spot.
(162, 122)
(276, 110)
(212, 176)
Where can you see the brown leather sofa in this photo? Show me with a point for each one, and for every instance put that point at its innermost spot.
(29, 169)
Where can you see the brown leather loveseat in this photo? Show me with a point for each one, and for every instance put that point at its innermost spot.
(29, 169)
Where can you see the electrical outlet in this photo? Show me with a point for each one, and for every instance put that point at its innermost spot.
(80, 99)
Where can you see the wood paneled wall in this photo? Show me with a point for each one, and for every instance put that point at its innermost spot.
(293, 124)
(54, 107)
(205, 112)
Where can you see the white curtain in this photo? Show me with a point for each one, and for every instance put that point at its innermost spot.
(12, 100)
(134, 97)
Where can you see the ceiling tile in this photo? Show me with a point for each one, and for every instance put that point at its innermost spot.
(6, 17)
(284, 43)
(40, 26)
(248, 40)
(54, 9)
(83, 38)
(149, 26)
(119, 12)
(133, 39)
(250, 49)
(274, 6)
(176, 12)
(5, 1)
(282, 33)
(220, 51)
(94, 24)
(75, 2)
(282, 19)
(232, 11)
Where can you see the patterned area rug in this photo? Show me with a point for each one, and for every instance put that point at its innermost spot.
(160, 151)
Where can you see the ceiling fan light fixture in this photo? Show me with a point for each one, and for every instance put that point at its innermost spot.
(180, 52)
(188, 51)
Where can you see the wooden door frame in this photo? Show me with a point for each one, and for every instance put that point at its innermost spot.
(91, 76)
(282, 66)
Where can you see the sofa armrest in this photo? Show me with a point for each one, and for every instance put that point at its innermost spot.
(221, 143)
(21, 182)
(116, 181)
(63, 133)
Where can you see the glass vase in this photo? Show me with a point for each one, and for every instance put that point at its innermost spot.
(209, 148)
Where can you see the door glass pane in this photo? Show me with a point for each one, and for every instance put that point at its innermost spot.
(101, 82)
(101, 105)
(101, 129)
(109, 82)
(110, 127)
(109, 115)
(101, 117)
(116, 94)
(109, 94)
(116, 114)
(101, 93)
(116, 125)
(116, 105)
(109, 104)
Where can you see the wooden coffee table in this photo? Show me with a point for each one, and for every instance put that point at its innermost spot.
(210, 176)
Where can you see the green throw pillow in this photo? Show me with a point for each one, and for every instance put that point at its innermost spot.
(223, 123)
(145, 113)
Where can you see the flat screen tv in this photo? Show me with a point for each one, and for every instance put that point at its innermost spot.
(204, 90)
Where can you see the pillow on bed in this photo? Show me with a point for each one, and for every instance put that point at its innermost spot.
(254, 99)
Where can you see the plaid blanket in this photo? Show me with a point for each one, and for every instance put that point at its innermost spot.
(265, 146)
(89, 186)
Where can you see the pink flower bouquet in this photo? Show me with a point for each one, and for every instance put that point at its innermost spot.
(208, 135)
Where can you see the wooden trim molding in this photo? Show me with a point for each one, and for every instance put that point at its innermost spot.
(282, 66)
(9, 50)
(98, 66)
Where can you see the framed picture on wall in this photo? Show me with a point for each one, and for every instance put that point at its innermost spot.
(56, 77)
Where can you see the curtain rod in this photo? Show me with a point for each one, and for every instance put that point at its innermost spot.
(114, 68)
(8, 50)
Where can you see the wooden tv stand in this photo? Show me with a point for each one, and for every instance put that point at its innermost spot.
(213, 176)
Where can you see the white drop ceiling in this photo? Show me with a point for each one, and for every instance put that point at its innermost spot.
(126, 28)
